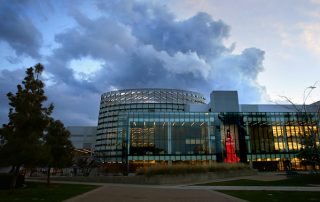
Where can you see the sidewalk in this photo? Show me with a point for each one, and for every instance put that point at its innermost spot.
(153, 194)
(174, 193)
(135, 193)
(255, 188)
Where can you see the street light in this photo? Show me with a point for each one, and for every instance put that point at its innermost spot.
(304, 93)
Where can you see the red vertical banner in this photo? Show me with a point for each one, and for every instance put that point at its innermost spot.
(231, 156)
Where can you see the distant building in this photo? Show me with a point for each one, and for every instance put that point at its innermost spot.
(168, 126)
(83, 137)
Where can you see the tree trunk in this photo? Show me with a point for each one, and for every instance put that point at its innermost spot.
(48, 176)
(15, 173)
(12, 169)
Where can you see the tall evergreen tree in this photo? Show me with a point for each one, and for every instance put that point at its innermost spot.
(58, 148)
(28, 119)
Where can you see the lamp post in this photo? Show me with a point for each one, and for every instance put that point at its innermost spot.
(305, 97)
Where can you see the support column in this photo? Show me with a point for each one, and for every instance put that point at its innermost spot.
(209, 138)
(169, 143)
(285, 138)
(128, 139)
(169, 139)
(248, 139)
(128, 148)
(217, 135)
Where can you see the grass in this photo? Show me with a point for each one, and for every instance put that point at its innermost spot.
(190, 169)
(270, 196)
(305, 180)
(36, 191)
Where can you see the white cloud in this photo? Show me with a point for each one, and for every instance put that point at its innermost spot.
(310, 36)
(189, 62)
(286, 37)
(315, 1)
(85, 67)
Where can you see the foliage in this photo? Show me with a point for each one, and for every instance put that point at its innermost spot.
(216, 167)
(189, 169)
(310, 115)
(171, 170)
(86, 164)
(28, 118)
(6, 178)
(310, 151)
(36, 191)
(32, 137)
(58, 148)
(310, 154)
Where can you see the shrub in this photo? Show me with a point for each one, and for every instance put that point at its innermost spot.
(171, 170)
(5, 180)
(216, 167)
(190, 169)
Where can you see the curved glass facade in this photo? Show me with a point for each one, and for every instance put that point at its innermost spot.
(109, 146)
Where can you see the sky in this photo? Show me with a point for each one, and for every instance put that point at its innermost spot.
(264, 49)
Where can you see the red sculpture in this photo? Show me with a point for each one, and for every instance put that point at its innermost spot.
(231, 154)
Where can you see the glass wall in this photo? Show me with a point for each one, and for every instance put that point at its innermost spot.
(169, 137)
(275, 139)
(267, 141)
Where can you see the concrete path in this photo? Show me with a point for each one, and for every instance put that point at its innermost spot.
(174, 193)
(153, 194)
(256, 188)
(137, 193)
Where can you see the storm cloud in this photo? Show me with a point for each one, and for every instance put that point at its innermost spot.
(140, 45)
(18, 30)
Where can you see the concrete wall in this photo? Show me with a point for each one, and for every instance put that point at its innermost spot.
(224, 101)
(197, 108)
(83, 137)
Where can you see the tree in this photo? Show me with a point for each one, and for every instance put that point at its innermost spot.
(309, 153)
(86, 164)
(58, 148)
(28, 119)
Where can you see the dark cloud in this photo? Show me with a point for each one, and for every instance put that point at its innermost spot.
(8, 83)
(143, 45)
(18, 30)
(13, 60)
(74, 105)
(155, 25)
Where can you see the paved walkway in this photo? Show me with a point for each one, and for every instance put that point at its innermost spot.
(255, 188)
(174, 193)
(153, 194)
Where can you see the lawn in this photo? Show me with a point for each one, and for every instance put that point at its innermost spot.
(269, 196)
(305, 180)
(36, 191)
